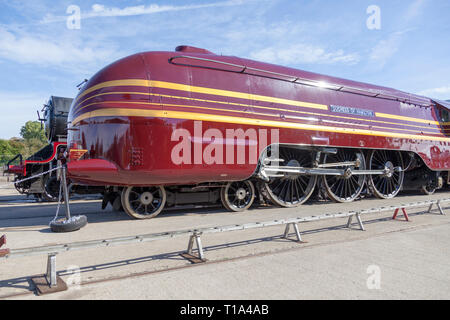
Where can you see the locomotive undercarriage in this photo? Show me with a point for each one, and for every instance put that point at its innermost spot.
(288, 177)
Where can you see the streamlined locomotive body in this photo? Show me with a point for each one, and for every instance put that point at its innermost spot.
(158, 121)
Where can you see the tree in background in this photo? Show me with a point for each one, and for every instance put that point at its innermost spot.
(10, 148)
(33, 130)
(33, 139)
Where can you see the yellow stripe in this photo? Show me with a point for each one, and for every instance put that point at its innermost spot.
(114, 83)
(393, 116)
(255, 113)
(246, 105)
(204, 90)
(234, 94)
(126, 112)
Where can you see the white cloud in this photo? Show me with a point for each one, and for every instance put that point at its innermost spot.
(438, 93)
(385, 49)
(304, 53)
(44, 51)
(99, 10)
(414, 10)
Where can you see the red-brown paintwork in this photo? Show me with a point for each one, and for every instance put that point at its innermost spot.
(137, 150)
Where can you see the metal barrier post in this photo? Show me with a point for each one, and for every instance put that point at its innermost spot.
(51, 270)
(66, 192)
(189, 255)
(440, 208)
(358, 217)
(404, 214)
(3, 252)
(438, 204)
(49, 282)
(297, 232)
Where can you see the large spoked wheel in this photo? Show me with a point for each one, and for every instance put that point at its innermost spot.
(389, 184)
(292, 189)
(238, 196)
(347, 187)
(143, 202)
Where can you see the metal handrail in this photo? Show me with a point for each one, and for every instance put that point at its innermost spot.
(279, 76)
(13, 159)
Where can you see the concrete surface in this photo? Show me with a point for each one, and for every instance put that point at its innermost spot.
(411, 258)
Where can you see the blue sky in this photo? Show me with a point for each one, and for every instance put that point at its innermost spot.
(40, 56)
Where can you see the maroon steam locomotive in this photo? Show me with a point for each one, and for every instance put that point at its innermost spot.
(156, 126)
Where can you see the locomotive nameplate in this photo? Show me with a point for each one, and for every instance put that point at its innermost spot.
(353, 111)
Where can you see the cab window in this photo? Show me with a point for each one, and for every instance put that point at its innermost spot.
(444, 115)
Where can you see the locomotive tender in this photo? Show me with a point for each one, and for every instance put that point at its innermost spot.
(154, 126)
(44, 187)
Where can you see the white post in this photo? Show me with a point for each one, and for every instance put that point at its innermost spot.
(51, 270)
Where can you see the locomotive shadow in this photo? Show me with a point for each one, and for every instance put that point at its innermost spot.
(25, 218)
(25, 283)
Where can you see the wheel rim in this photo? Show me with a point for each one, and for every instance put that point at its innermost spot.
(428, 190)
(387, 185)
(52, 187)
(238, 196)
(345, 188)
(143, 202)
(293, 189)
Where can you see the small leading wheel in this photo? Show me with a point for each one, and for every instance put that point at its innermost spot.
(345, 188)
(238, 196)
(143, 202)
(51, 188)
(388, 184)
(292, 189)
(428, 189)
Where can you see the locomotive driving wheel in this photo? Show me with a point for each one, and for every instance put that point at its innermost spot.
(143, 202)
(238, 196)
(347, 187)
(388, 184)
(292, 189)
